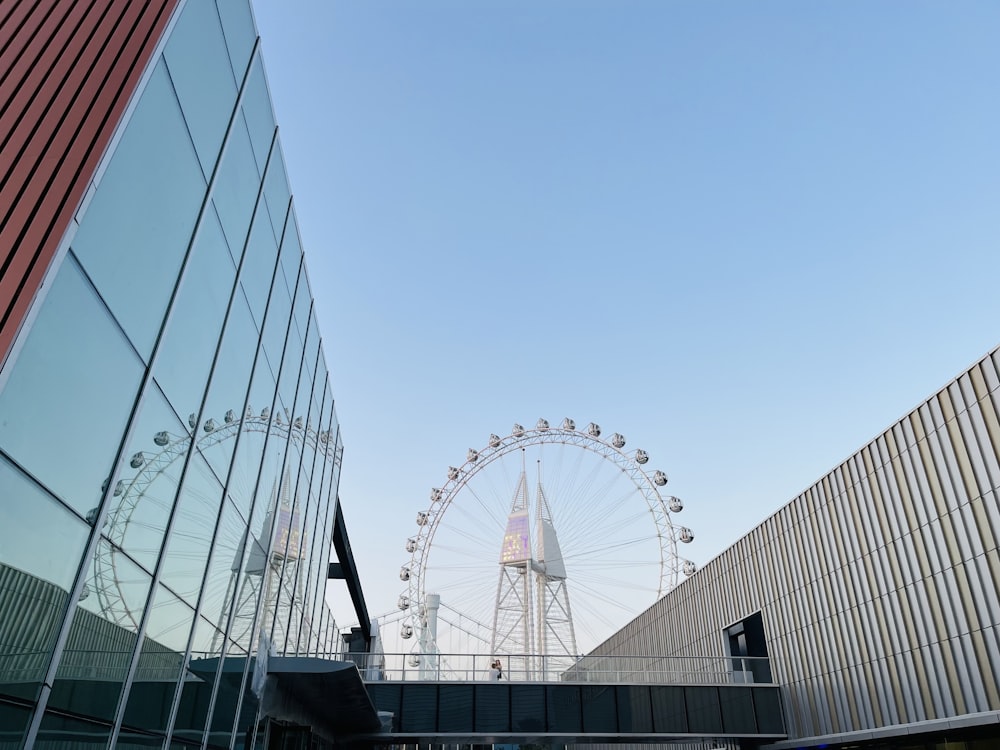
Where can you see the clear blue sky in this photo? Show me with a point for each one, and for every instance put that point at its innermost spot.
(748, 235)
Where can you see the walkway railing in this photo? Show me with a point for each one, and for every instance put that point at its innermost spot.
(687, 670)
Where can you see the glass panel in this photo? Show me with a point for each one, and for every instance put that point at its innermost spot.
(599, 710)
(63, 732)
(250, 728)
(32, 584)
(134, 739)
(230, 700)
(223, 570)
(319, 403)
(199, 67)
(313, 355)
(197, 693)
(703, 709)
(276, 325)
(186, 554)
(288, 382)
(248, 594)
(310, 581)
(297, 561)
(338, 448)
(102, 637)
(275, 483)
(192, 335)
(258, 112)
(276, 193)
(291, 261)
(319, 559)
(301, 626)
(246, 466)
(258, 266)
(320, 568)
(236, 187)
(635, 713)
(160, 662)
(230, 381)
(669, 714)
(286, 556)
(303, 396)
(132, 241)
(145, 491)
(70, 393)
(455, 710)
(13, 721)
(303, 308)
(240, 33)
(736, 704)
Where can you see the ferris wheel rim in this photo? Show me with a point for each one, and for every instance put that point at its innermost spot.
(108, 585)
(611, 450)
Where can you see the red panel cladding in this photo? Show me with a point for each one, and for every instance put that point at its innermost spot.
(67, 73)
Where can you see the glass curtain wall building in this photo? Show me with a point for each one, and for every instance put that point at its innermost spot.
(169, 448)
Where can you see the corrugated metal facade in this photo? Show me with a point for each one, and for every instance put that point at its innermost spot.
(877, 586)
(67, 73)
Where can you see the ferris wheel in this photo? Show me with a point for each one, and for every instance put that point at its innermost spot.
(550, 539)
(147, 493)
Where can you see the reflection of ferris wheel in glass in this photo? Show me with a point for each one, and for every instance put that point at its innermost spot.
(545, 542)
(143, 498)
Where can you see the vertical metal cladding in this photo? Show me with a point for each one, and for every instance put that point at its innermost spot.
(67, 73)
(878, 586)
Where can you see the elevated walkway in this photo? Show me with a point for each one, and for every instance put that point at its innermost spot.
(403, 699)
(513, 712)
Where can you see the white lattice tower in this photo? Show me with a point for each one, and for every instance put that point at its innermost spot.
(512, 617)
(556, 636)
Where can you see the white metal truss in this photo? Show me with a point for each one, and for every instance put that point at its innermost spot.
(556, 635)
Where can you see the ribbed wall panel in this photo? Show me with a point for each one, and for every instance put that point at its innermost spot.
(878, 586)
(67, 73)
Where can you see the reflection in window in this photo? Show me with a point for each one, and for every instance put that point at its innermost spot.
(55, 729)
(288, 381)
(230, 380)
(192, 335)
(247, 602)
(137, 228)
(240, 33)
(146, 487)
(186, 553)
(222, 580)
(303, 617)
(279, 311)
(246, 464)
(257, 110)
(236, 187)
(101, 640)
(276, 194)
(283, 594)
(14, 720)
(291, 259)
(31, 582)
(160, 662)
(259, 262)
(201, 74)
(197, 692)
(62, 419)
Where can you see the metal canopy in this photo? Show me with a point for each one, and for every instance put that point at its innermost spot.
(328, 696)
